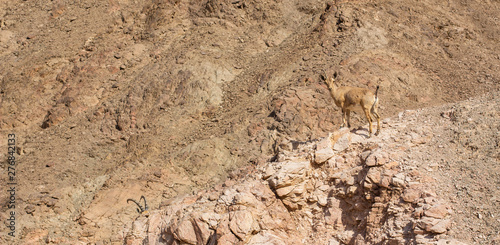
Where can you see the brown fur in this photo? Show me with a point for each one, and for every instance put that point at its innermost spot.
(347, 98)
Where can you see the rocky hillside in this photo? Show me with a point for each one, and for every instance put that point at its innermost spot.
(410, 185)
(111, 100)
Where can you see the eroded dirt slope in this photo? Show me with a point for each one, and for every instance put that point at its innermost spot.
(116, 99)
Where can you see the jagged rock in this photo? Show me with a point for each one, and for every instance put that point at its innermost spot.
(289, 174)
(449, 241)
(185, 232)
(376, 158)
(287, 197)
(398, 180)
(411, 195)
(228, 239)
(341, 139)
(242, 223)
(324, 150)
(323, 200)
(433, 225)
(284, 191)
(374, 176)
(441, 227)
(333, 241)
(266, 238)
(438, 211)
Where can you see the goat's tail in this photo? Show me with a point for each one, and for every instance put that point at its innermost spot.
(375, 103)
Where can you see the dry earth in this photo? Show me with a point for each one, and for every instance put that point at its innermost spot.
(111, 100)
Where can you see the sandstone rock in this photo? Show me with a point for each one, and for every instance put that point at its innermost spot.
(323, 151)
(374, 176)
(433, 225)
(228, 239)
(346, 236)
(441, 227)
(351, 190)
(333, 241)
(376, 158)
(438, 211)
(266, 238)
(421, 139)
(246, 199)
(287, 198)
(242, 223)
(185, 232)
(398, 180)
(411, 195)
(284, 191)
(449, 241)
(323, 200)
(385, 182)
(289, 174)
(36, 236)
(341, 139)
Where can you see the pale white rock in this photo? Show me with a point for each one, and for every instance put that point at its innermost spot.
(323, 151)
(441, 227)
(333, 241)
(266, 238)
(185, 232)
(342, 143)
(242, 223)
(284, 191)
(376, 158)
(323, 200)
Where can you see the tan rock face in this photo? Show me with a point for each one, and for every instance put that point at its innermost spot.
(314, 194)
(242, 223)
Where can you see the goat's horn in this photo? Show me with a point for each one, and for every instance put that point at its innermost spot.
(145, 203)
(324, 76)
(140, 210)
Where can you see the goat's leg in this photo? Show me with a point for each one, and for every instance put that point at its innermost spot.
(369, 118)
(376, 115)
(348, 115)
(343, 118)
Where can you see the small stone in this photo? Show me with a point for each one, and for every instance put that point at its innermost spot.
(324, 187)
(185, 232)
(376, 158)
(242, 223)
(333, 241)
(374, 175)
(441, 227)
(341, 139)
(323, 151)
(352, 189)
(438, 211)
(411, 195)
(323, 200)
(398, 180)
(284, 190)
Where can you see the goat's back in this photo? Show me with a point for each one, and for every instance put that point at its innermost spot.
(357, 96)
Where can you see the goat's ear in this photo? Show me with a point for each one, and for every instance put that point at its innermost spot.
(323, 76)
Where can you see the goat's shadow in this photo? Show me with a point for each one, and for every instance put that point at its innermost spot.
(361, 131)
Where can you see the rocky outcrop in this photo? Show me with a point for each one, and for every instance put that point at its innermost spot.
(342, 189)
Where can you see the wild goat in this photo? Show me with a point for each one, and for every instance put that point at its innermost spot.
(347, 98)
